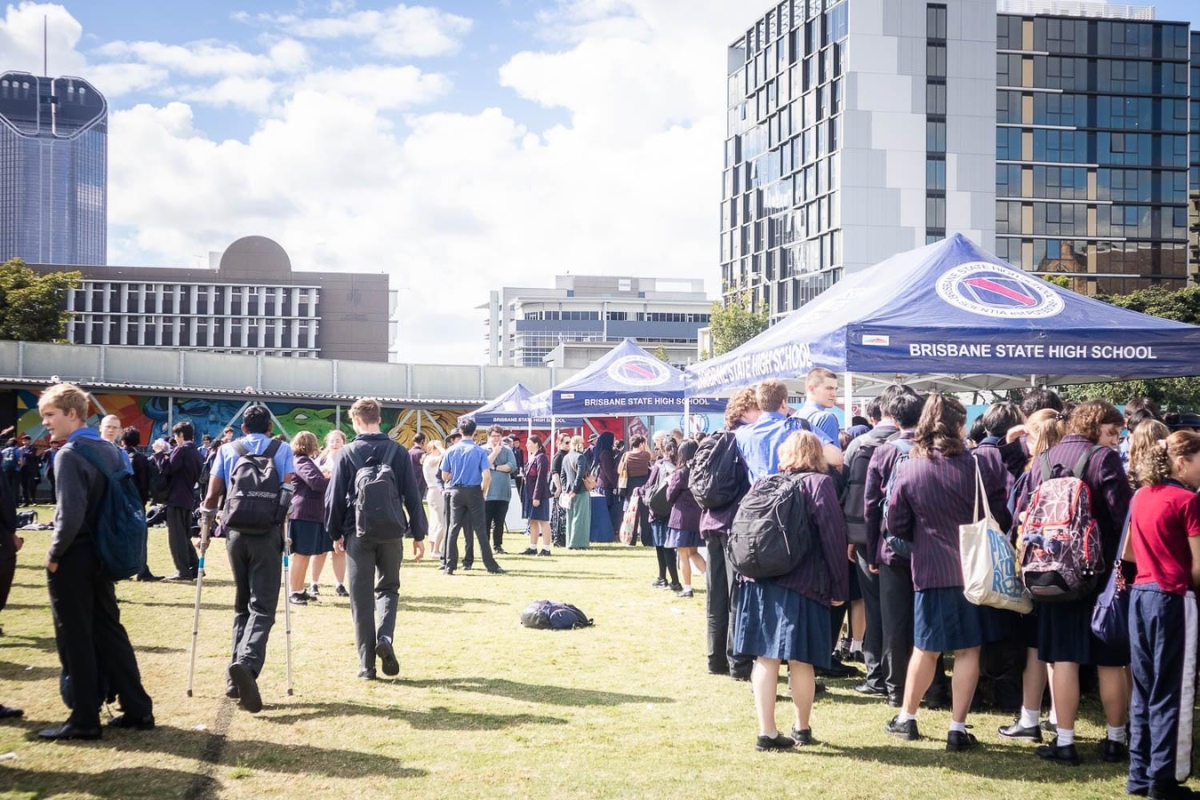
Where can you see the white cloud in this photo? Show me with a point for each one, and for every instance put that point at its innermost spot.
(248, 93)
(115, 80)
(212, 59)
(21, 39)
(385, 87)
(401, 30)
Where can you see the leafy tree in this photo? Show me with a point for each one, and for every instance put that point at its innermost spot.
(1061, 281)
(734, 324)
(660, 353)
(32, 306)
(1182, 305)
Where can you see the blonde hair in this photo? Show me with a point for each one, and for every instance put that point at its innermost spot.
(366, 410)
(577, 444)
(305, 443)
(1159, 464)
(739, 404)
(329, 441)
(66, 397)
(817, 376)
(1143, 442)
(1045, 429)
(802, 452)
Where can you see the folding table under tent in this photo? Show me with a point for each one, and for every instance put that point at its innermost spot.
(951, 316)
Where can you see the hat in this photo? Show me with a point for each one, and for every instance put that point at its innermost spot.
(1183, 421)
(454, 433)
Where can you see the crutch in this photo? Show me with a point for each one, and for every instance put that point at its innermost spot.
(287, 611)
(206, 517)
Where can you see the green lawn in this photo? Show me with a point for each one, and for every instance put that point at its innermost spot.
(482, 708)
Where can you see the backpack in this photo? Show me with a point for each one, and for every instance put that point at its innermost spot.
(772, 531)
(119, 527)
(1061, 554)
(854, 501)
(377, 511)
(548, 615)
(254, 497)
(657, 497)
(10, 460)
(160, 484)
(719, 476)
(899, 546)
(26, 518)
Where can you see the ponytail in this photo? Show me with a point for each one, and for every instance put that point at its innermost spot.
(940, 427)
(1157, 466)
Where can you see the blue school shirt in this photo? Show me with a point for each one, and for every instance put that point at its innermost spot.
(466, 462)
(823, 422)
(256, 443)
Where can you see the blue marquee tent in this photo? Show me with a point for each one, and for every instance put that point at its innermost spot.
(952, 316)
(509, 409)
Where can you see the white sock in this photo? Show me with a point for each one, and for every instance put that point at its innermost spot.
(1053, 717)
(904, 716)
(687, 587)
(1116, 734)
(961, 727)
(1066, 736)
(1029, 717)
(856, 646)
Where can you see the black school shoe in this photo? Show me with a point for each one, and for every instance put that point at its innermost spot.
(776, 742)
(1019, 734)
(1112, 752)
(1064, 754)
(802, 738)
(906, 730)
(247, 687)
(869, 690)
(387, 654)
(960, 741)
(68, 730)
(145, 723)
(1171, 792)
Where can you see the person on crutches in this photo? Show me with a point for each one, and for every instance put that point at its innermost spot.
(206, 522)
(255, 474)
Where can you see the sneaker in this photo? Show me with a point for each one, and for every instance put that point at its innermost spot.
(340, 591)
(313, 590)
(298, 599)
(906, 730)
(684, 593)
(659, 583)
(776, 742)
(1113, 752)
(530, 551)
(543, 554)
(802, 737)
(312, 598)
(842, 650)
(366, 674)
(1065, 754)
(1018, 734)
(959, 741)
(500, 551)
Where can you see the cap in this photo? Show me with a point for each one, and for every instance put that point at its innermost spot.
(454, 433)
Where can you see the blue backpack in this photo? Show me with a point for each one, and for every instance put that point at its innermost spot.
(552, 616)
(898, 545)
(120, 525)
(10, 461)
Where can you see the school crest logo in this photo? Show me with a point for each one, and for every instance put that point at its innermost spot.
(991, 290)
(639, 371)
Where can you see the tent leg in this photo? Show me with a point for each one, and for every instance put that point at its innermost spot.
(849, 399)
(687, 417)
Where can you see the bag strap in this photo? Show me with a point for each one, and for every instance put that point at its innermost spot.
(355, 461)
(92, 459)
(980, 491)
(272, 449)
(240, 449)
(1081, 465)
(1124, 535)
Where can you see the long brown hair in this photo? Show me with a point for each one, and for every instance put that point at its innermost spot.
(1158, 466)
(1143, 443)
(940, 427)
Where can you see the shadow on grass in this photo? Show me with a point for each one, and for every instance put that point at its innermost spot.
(436, 719)
(567, 576)
(537, 693)
(20, 672)
(116, 783)
(431, 604)
(32, 642)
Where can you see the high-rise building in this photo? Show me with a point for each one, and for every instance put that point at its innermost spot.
(526, 324)
(1052, 132)
(1194, 162)
(53, 170)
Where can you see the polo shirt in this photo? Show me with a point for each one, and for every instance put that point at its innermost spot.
(500, 486)
(1162, 519)
(256, 443)
(466, 462)
(822, 420)
(759, 442)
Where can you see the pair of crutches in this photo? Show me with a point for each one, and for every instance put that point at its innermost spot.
(206, 518)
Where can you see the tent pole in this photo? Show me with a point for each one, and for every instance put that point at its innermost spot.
(687, 417)
(849, 398)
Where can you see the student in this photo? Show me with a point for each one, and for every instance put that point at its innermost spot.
(683, 526)
(131, 441)
(536, 500)
(558, 515)
(182, 468)
(499, 491)
(416, 454)
(1065, 639)
(604, 462)
(307, 536)
(660, 474)
(10, 545)
(821, 387)
(31, 470)
(467, 472)
(1164, 537)
(576, 467)
(87, 621)
(48, 462)
(635, 464)
(373, 555)
(759, 442)
(255, 557)
(932, 495)
(787, 618)
(10, 462)
(434, 500)
(335, 440)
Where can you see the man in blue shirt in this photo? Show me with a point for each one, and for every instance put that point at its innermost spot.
(467, 473)
(256, 559)
(759, 441)
(822, 387)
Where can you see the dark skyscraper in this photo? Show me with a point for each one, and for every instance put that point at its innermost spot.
(53, 170)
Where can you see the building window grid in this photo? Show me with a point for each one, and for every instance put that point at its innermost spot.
(936, 24)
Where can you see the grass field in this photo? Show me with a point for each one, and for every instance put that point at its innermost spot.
(482, 707)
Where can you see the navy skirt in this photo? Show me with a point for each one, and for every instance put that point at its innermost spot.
(943, 620)
(678, 538)
(774, 622)
(1065, 634)
(542, 512)
(310, 538)
(658, 533)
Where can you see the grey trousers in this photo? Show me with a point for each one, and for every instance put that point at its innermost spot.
(257, 564)
(179, 525)
(466, 511)
(373, 568)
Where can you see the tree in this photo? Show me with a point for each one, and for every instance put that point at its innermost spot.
(734, 323)
(660, 353)
(32, 306)
(1182, 305)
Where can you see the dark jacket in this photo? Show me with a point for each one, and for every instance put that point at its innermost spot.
(79, 488)
(685, 511)
(415, 454)
(883, 461)
(823, 575)
(141, 472)
(8, 523)
(182, 469)
(537, 479)
(308, 501)
(32, 463)
(340, 493)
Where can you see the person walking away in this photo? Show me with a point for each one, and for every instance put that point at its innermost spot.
(246, 469)
(683, 526)
(10, 464)
(31, 470)
(431, 467)
(416, 455)
(1164, 539)
(372, 479)
(1065, 639)
(499, 492)
(467, 472)
(536, 500)
(182, 468)
(131, 441)
(87, 620)
(787, 618)
(576, 467)
(604, 464)
(306, 519)
(933, 493)
(660, 476)
(335, 440)
(635, 463)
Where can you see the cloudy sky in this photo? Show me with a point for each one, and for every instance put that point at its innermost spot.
(459, 146)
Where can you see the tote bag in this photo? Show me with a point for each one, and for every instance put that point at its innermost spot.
(629, 521)
(989, 561)
(1110, 615)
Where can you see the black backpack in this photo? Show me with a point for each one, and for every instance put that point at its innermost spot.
(254, 497)
(772, 531)
(377, 511)
(549, 615)
(160, 483)
(656, 498)
(854, 496)
(719, 476)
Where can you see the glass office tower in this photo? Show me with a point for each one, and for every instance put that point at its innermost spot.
(53, 170)
(1194, 169)
(1092, 148)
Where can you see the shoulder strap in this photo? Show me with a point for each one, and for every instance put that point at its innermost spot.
(93, 460)
(1081, 465)
(240, 449)
(272, 448)
(355, 461)
(1046, 467)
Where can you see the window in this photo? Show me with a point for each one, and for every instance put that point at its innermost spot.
(935, 137)
(935, 22)
(935, 61)
(935, 102)
(935, 175)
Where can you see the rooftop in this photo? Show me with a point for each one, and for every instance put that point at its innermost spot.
(1075, 8)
